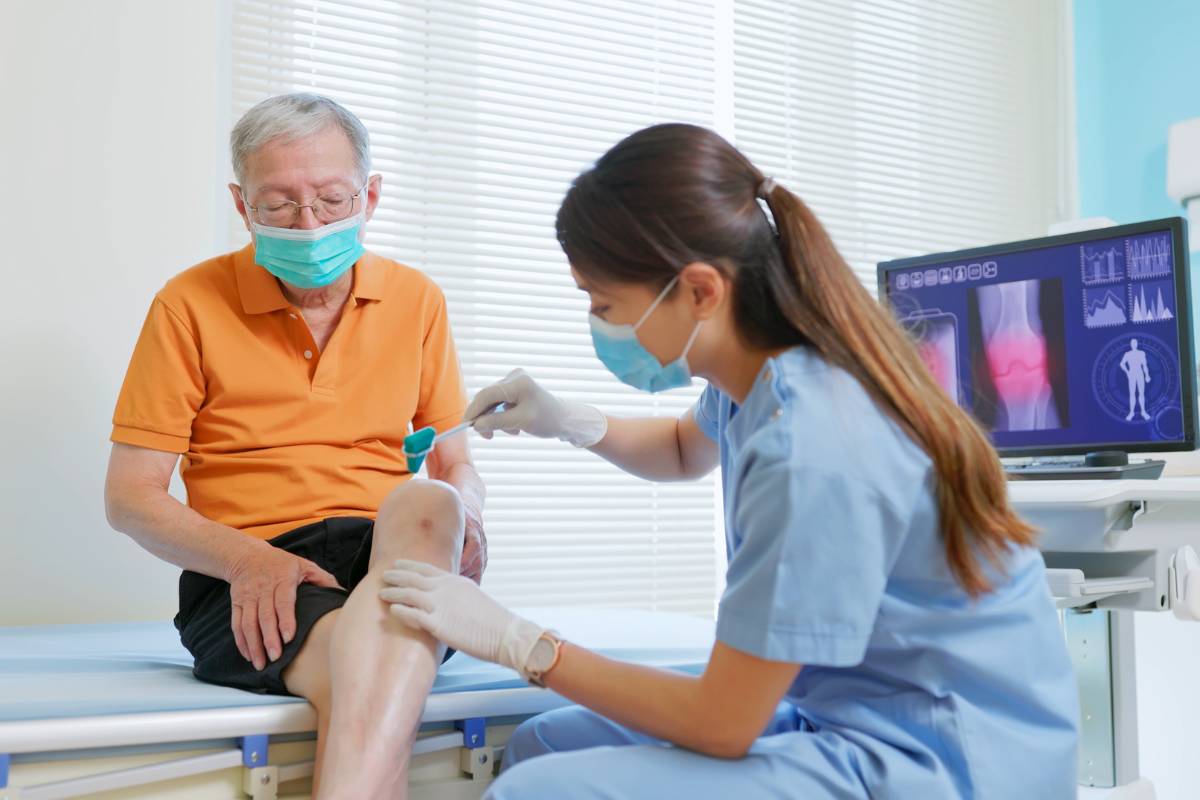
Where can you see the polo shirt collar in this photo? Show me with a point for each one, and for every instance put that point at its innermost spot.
(258, 289)
(369, 274)
(260, 293)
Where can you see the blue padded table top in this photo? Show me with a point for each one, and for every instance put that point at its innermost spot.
(65, 671)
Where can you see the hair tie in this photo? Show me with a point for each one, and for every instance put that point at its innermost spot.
(762, 196)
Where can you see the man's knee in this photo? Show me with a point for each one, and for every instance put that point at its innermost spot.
(422, 511)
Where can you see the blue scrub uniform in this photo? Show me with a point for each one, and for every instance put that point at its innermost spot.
(909, 689)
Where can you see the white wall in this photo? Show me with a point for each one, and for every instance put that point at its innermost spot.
(110, 168)
(1168, 652)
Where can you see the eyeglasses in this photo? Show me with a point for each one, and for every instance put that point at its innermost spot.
(331, 208)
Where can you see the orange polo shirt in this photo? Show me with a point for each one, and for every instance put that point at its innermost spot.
(273, 433)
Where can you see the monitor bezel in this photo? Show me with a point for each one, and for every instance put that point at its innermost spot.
(1178, 228)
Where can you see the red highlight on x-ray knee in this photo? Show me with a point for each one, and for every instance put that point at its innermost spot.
(1018, 365)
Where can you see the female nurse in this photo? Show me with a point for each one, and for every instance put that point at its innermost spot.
(886, 629)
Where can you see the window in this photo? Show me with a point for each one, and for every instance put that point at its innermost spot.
(908, 128)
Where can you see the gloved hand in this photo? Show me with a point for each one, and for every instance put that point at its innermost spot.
(532, 409)
(454, 610)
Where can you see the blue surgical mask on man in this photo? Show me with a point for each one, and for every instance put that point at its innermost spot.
(618, 348)
(309, 259)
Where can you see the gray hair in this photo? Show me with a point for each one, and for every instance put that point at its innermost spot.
(295, 116)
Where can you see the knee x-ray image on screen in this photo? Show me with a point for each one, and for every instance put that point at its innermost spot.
(1018, 362)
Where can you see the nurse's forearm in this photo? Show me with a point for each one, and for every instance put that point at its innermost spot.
(646, 447)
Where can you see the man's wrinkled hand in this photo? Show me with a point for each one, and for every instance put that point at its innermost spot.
(474, 555)
(262, 588)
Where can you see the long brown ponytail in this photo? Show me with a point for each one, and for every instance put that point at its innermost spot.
(670, 195)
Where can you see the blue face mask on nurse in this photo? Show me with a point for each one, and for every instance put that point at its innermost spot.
(618, 348)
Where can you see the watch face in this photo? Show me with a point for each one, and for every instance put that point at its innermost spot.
(542, 656)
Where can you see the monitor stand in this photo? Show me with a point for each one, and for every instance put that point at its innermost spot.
(1104, 465)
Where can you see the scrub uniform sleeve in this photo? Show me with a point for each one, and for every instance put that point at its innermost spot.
(706, 411)
(806, 581)
(442, 398)
(164, 385)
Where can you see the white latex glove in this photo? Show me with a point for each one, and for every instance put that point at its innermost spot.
(454, 610)
(533, 410)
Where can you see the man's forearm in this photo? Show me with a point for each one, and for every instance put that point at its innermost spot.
(462, 476)
(175, 533)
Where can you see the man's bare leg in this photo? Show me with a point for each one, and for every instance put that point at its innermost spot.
(308, 677)
(370, 672)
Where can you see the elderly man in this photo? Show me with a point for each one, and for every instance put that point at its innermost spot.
(286, 374)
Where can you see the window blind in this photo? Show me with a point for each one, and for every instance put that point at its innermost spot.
(908, 127)
(480, 114)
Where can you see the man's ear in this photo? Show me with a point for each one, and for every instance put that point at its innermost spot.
(707, 288)
(240, 204)
(374, 191)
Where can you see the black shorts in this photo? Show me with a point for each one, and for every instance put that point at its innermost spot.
(339, 545)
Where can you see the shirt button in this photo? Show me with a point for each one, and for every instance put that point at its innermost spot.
(308, 354)
(778, 413)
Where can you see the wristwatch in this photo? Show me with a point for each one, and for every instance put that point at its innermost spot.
(543, 657)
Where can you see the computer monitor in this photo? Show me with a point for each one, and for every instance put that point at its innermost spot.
(1062, 345)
